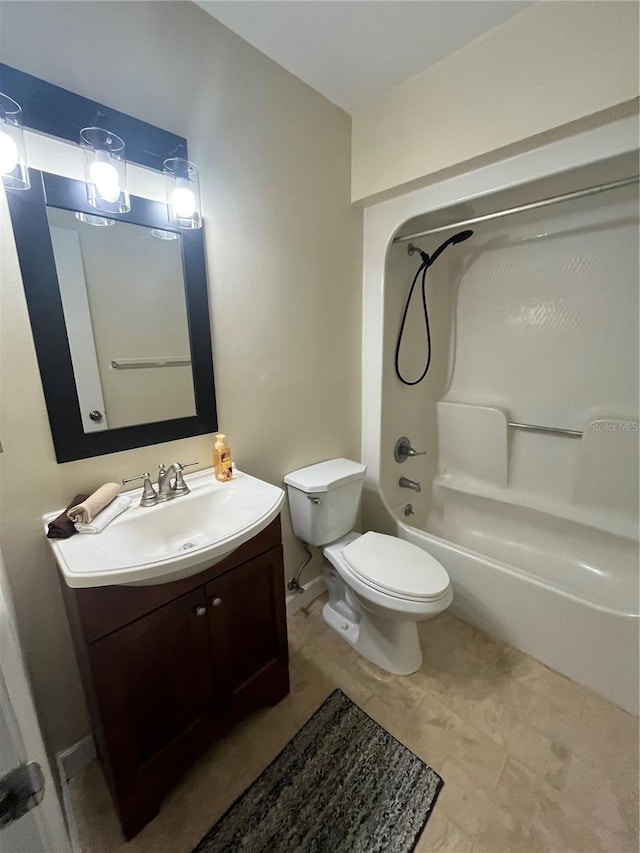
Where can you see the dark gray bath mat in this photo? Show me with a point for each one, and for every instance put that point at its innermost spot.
(342, 785)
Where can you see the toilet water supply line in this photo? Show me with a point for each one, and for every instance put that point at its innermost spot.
(427, 261)
(294, 583)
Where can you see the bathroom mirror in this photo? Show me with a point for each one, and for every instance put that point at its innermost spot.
(130, 366)
(119, 312)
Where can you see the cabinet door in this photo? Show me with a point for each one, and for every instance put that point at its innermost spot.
(154, 693)
(249, 633)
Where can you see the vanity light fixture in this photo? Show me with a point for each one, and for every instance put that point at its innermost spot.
(13, 157)
(183, 192)
(105, 170)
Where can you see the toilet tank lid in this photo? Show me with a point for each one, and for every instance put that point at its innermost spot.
(324, 476)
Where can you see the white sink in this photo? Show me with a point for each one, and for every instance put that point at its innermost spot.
(172, 540)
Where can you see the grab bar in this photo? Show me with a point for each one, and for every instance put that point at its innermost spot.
(572, 433)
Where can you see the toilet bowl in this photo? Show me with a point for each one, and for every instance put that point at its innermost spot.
(380, 587)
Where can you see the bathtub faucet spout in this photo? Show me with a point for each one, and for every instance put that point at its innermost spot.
(406, 483)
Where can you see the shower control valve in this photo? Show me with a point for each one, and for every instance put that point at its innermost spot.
(403, 450)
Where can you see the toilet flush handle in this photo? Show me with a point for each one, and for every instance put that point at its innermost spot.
(314, 499)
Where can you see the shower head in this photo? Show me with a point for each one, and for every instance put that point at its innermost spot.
(456, 238)
(461, 236)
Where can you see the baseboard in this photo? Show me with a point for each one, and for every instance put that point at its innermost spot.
(297, 600)
(70, 762)
(74, 759)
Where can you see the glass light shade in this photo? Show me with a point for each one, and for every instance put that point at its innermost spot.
(105, 169)
(183, 192)
(98, 221)
(13, 157)
(159, 234)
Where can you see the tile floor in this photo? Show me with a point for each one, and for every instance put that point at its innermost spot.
(531, 761)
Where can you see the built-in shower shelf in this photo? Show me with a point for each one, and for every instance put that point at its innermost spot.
(615, 522)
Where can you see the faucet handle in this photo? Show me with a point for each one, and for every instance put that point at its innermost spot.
(149, 494)
(180, 487)
(403, 450)
(177, 465)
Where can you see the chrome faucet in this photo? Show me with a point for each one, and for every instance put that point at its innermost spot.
(168, 490)
(406, 483)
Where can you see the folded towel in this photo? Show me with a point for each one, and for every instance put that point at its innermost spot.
(62, 526)
(115, 508)
(89, 508)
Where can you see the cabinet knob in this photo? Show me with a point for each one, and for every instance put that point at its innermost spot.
(216, 602)
(201, 611)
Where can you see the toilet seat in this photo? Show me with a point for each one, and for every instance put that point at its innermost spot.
(395, 567)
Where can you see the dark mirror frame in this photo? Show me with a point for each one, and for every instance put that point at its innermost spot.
(37, 263)
(60, 113)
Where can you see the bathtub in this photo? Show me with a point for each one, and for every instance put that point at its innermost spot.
(590, 642)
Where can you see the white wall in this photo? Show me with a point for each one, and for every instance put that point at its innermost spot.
(284, 263)
(554, 63)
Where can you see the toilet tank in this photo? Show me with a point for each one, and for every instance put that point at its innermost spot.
(324, 499)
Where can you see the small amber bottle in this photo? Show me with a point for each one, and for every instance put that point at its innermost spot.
(222, 466)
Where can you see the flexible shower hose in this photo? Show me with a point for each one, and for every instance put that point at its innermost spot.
(427, 261)
(424, 266)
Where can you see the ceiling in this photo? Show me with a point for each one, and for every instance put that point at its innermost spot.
(354, 51)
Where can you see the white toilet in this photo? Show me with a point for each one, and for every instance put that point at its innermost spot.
(380, 587)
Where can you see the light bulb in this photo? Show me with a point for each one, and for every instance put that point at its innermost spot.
(8, 154)
(105, 177)
(183, 202)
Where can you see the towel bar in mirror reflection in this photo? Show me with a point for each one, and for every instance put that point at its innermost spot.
(142, 364)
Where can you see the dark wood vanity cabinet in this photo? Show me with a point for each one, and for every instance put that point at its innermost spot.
(169, 668)
(248, 634)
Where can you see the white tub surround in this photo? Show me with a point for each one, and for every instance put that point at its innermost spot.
(529, 414)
